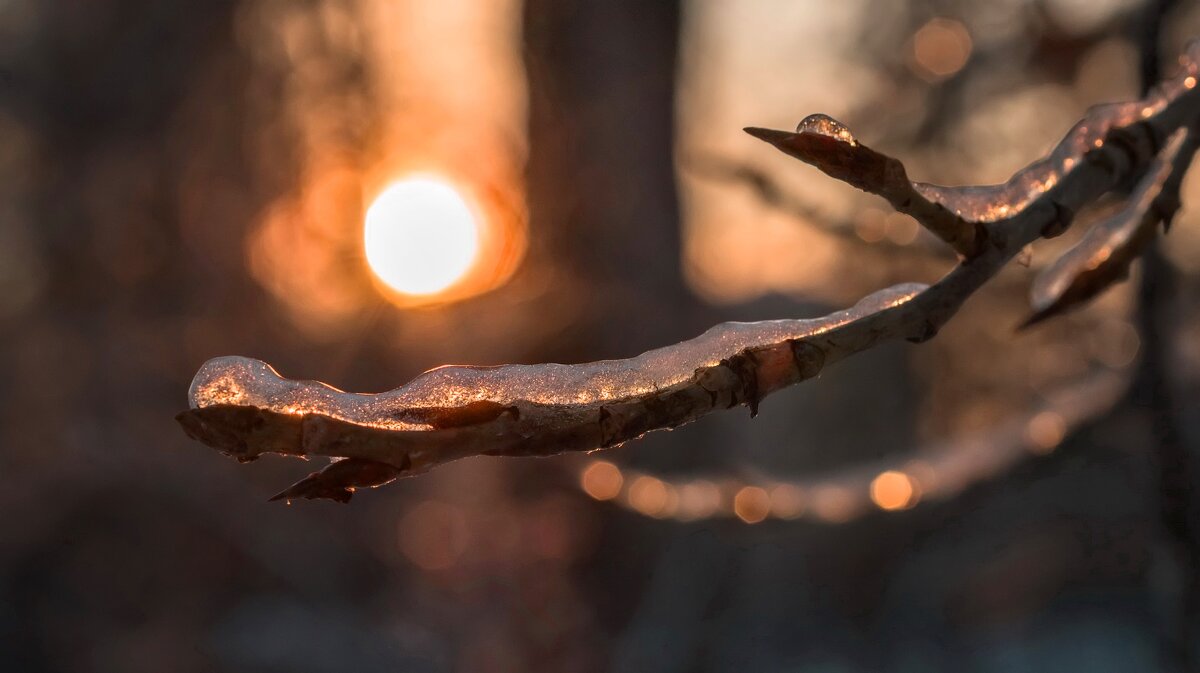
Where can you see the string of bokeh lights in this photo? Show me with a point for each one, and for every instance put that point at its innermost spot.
(934, 473)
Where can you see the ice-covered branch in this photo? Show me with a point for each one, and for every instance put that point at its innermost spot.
(769, 190)
(243, 408)
(825, 143)
(1104, 254)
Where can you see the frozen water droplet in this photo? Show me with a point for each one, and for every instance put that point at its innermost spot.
(825, 125)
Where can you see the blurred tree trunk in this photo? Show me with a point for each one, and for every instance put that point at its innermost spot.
(1153, 390)
(601, 171)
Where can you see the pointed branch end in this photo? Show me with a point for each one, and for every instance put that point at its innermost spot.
(314, 487)
(773, 136)
(339, 480)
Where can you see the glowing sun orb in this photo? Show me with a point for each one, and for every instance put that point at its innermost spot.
(420, 236)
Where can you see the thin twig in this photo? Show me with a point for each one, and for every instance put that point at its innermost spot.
(772, 193)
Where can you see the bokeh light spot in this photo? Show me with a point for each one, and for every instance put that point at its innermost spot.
(902, 229)
(1045, 432)
(787, 501)
(420, 236)
(894, 490)
(649, 496)
(752, 504)
(698, 499)
(940, 48)
(602, 480)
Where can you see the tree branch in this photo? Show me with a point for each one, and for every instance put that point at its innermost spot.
(244, 408)
(1104, 254)
(827, 144)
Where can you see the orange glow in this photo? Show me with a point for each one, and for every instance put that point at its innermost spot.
(698, 499)
(602, 480)
(894, 490)
(420, 236)
(871, 226)
(940, 48)
(751, 504)
(1045, 431)
(649, 496)
(834, 504)
(787, 501)
(902, 229)
(468, 125)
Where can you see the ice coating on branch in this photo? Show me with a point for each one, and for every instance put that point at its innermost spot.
(1127, 124)
(1136, 127)
(989, 203)
(873, 172)
(1102, 257)
(243, 381)
(823, 124)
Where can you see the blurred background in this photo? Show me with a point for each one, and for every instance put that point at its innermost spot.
(359, 190)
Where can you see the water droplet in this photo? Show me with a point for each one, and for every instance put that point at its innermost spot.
(825, 125)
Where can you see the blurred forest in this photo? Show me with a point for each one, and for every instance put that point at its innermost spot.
(185, 180)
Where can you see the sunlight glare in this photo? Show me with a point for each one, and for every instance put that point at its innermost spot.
(421, 237)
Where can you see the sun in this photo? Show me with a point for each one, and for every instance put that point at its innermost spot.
(421, 236)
